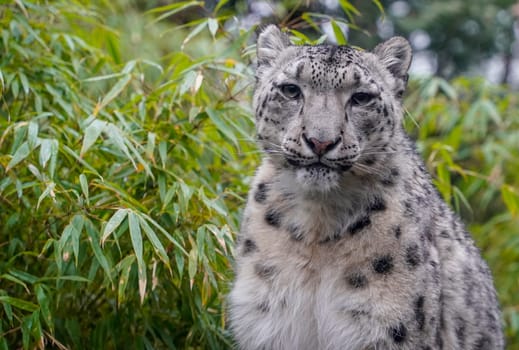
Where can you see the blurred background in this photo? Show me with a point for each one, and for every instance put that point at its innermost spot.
(127, 147)
(449, 37)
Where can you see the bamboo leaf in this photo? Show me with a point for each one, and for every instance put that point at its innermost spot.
(223, 127)
(43, 301)
(212, 24)
(115, 91)
(166, 234)
(92, 133)
(46, 146)
(15, 280)
(220, 4)
(136, 238)
(194, 32)
(77, 223)
(192, 265)
(339, 35)
(125, 266)
(112, 224)
(54, 148)
(19, 303)
(25, 83)
(172, 9)
(49, 191)
(115, 135)
(84, 187)
(21, 153)
(93, 238)
(157, 245)
(65, 278)
(8, 309)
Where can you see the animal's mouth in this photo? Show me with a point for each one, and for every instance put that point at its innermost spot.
(320, 166)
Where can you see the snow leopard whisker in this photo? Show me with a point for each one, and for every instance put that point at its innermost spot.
(368, 169)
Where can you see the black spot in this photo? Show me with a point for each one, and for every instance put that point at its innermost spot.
(273, 217)
(419, 312)
(409, 210)
(260, 195)
(460, 332)
(357, 280)
(390, 178)
(398, 231)
(295, 233)
(359, 313)
(383, 264)
(370, 160)
(378, 204)
(435, 272)
(398, 333)
(359, 225)
(337, 235)
(444, 234)
(412, 255)
(299, 69)
(264, 271)
(483, 343)
(438, 337)
(263, 307)
(249, 246)
(428, 234)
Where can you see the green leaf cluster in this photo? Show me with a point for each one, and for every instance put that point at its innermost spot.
(120, 182)
(468, 132)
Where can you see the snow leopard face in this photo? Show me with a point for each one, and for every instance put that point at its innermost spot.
(327, 112)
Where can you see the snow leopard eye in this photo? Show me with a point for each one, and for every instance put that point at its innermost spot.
(291, 91)
(361, 98)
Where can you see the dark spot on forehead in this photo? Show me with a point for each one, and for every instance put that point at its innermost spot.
(299, 69)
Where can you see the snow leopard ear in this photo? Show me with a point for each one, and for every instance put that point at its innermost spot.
(395, 54)
(271, 41)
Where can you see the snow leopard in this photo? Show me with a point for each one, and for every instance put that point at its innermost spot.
(345, 243)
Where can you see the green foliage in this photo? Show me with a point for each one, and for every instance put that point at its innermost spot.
(122, 174)
(468, 132)
(119, 185)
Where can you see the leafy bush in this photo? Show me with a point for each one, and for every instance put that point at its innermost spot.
(120, 185)
(468, 131)
(122, 179)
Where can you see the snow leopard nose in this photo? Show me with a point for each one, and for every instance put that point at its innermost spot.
(320, 147)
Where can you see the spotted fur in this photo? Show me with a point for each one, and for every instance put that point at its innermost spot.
(345, 243)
